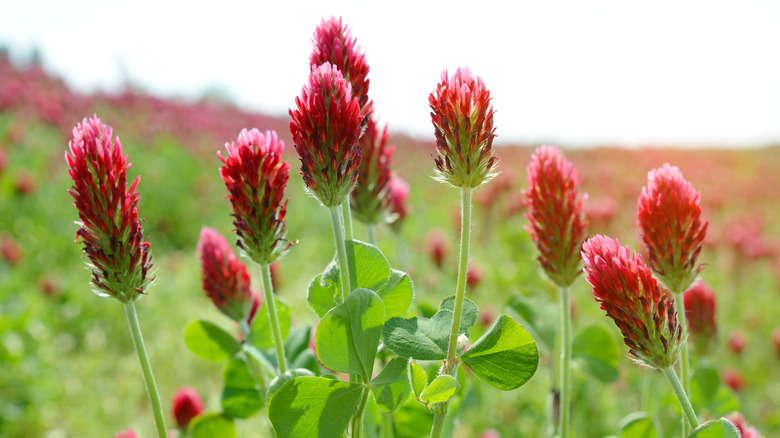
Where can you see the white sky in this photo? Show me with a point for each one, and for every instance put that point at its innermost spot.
(569, 72)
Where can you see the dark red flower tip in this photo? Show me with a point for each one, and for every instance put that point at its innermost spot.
(333, 43)
(325, 128)
(700, 313)
(255, 177)
(556, 221)
(370, 200)
(670, 219)
(627, 291)
(110, 230)
(398, 200)
(186, 405)
(463, 124)
(225, 278)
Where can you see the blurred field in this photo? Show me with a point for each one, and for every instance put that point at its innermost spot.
(67, 365)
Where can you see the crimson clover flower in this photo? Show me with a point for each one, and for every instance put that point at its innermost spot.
(700, 313)
(255, 177)
(333, 43)
(627, 291)
(463, 123)
(398, 200)
(370, 198)
(669, 215)
(325, 128)
(186, 405)
(556, 222)
(225, 277)
(109, 227)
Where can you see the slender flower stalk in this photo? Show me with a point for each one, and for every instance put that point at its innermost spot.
(669, 216)
(111, 231)
(463, 124)
(255, 177)
(557, 224)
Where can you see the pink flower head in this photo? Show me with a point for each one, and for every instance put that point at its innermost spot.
(325, 128)
(127, 433)
(255, 177)
(370, 199)
(737, 342)
(186, 405)
(669, 215)
(745, 430)
(700, 313)
(225, 278)
(109, 227)
(333, 43)
(436, 245)
(473, 276)
(733, 379)
(554, 212)
(463, 123)
(643, 312)
(398, 199)
(776, 340)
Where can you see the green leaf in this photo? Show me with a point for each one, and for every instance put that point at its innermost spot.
(348, 336)
(722, 428)
(240, 396)
(397, 294)
(210, 341)
(307, 360)
(597, 353)
(505, 356)
(427, 339)
(325, 290)
(267, 361)
(637, 425)
(391, 387)
(212, 426)
(297, 342)
(707, 393)
(372, 267)
(540, 317)
(313, 407)
(413, 419)
(279, 381)
(440, 390)
(261, 335)
(418, 377)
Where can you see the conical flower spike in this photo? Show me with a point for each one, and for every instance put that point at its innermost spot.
(643, 312)
(333, 43)
(370, 199)
(225, 278)
(255, 177)
(463, 123)
(556, 222)
(110, 230)
(325, 128)
(669, 215)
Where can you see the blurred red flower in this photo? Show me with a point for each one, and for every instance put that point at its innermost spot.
(370, 199)
(186, 405)
(700, 313)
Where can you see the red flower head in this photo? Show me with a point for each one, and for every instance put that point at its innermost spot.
(733, 379)
(370, 199)
(398, 198)
(255, 177)
(737, 342)
(225, 278)
(187, 405)
(669, 211)
(333, 43)
(110, 230)
(473, 276)
(629, 294)
(436, 245)
(776, 340)
(745, 430)
(700, 313)
(325, 128)
(128, 433)
(554, 212)
(463, 123)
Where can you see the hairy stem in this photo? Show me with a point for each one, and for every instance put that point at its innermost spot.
(273, 319)
(146, 367)
(341, 252)
(347, 213)
(565, 327)
(357, 419)
(685, 376)
(688, 412)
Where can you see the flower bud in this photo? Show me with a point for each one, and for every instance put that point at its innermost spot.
(186, 405)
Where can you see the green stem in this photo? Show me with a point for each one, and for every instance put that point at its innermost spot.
(268, 296)
(341, 251)
(347, 212)
(555, 388)
(146, 367)
(450, 366)
(565, 324)
(371, 232)
(387, 425)
(681, 396)
(357, 419)
(685, 375)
